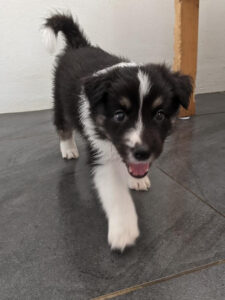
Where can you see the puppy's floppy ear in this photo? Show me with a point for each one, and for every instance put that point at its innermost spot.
(182, 88)
(96, 89)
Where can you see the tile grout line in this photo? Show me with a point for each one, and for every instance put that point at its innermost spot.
(159, 280)
(190, 191)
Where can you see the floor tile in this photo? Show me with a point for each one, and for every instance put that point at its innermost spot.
(18, 125)
(208, 284)
(27, 138)
(195, 156)
(210, 103)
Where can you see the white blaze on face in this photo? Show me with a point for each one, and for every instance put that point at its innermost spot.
(134, 135)
(144, 86)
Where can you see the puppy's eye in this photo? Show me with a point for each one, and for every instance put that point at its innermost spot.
(160, 115)
(119, 116)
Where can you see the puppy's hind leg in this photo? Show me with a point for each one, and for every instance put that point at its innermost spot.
(68, 145)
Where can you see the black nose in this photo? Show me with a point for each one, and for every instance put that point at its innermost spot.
(141, 152)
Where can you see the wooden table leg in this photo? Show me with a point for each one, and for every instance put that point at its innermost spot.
(186, 43)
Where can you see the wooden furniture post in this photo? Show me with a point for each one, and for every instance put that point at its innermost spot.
(186, 43)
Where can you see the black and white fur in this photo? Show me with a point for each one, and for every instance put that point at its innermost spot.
(124, 110)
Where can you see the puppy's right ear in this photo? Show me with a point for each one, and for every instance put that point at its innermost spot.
(96, 89)
(182, 88)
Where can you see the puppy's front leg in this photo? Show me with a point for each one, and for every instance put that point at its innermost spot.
(139, 184)
(111, 184)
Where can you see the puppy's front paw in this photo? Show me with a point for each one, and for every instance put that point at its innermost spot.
(69, 149)
(139, 184)
(122, 233)
(70, 153)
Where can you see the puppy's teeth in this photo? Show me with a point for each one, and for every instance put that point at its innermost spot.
(130, 170)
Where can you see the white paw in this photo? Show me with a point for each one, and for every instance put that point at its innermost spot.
(122, 233)
(69, 149)
(139, 184)
(70, 153)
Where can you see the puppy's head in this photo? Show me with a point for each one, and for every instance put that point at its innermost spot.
(134, 108)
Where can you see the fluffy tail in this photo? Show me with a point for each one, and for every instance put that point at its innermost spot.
(75, 38)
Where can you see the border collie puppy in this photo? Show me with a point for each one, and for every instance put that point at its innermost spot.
(123, 109)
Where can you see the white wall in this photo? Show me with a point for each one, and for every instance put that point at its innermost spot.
(211, 51)
(139, 29)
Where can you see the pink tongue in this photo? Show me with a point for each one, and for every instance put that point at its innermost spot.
(138, 169)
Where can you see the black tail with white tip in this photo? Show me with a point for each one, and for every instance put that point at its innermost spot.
(75, 38)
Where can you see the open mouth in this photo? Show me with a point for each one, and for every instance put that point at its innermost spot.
(138, 170)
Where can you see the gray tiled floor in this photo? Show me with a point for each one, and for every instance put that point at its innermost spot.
(195, 157)
(53, 231)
